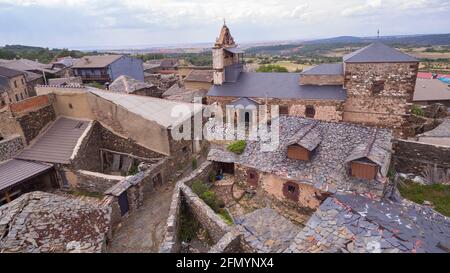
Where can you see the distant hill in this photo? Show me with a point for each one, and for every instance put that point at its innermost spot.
(422, 40)
(43, 55)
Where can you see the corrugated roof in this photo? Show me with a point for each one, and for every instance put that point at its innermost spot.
(378, 53)
(431, 90)
(276, 85)
(14, 171)
(154, 109)
(57, 144)
(96, 61)
(9, 73)
(325, 69)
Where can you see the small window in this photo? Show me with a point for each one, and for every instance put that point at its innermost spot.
(310, 111)
(284, 110)
(291, 191)
(377, 87)
(23, 82)
(70, 106)
(17, 97)
(15, 84)
(252, 178)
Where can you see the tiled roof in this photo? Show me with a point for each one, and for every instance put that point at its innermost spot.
(14, 171)
(41, 222)
(327, 170)
(58, 143)
(9, 73)
(276, 85)
(200, 76)
(127, 85)
(96, 61)
(378, 53)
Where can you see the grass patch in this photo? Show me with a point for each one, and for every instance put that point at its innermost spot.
(417, 110)
(189, 226)
(205, 193)
(437, 194)
(87, 194)
(237, 147)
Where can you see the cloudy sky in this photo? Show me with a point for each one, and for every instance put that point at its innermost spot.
(95, 23)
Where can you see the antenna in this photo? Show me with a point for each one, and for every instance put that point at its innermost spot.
(224, 23)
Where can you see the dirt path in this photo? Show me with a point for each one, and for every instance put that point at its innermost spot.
(143, 231)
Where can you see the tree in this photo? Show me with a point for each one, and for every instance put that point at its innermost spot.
(272, 68)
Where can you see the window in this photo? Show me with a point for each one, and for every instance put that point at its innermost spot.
(247, 117)
(15, 84)
(284, 110)
(310, 111)
(70, 106)
(377, 87)
(17, 97)
(252, 178)
(291, 191)
(23, 81)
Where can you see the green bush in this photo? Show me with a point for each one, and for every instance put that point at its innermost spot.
(417, 110)
(237, 147)
(226, 217)
(272, 68)
(194, 163)
(210, 199)
(198, 187)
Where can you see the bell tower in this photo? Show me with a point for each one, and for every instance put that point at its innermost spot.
(224, 55)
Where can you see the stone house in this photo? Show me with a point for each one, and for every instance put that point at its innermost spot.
(313, 160)
(107, 68)
(373, 85)
(13, 82)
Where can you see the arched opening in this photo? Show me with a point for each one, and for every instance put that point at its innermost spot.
(247, 118)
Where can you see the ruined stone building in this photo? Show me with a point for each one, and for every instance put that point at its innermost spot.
(373, 85)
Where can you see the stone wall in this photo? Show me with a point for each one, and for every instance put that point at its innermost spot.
(414, 157)
(9, 125)
(327, 110)
(95, 182)
(322, 80)
(33, 122)
(10, 147)
(379, 93)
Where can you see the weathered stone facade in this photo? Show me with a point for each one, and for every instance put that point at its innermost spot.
(33, 122)
(10, 147)
(9, 125)
(326, 110)
(415, 157)
(379, 93)
(322, 80)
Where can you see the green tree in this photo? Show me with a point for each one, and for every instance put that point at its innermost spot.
(272, 68)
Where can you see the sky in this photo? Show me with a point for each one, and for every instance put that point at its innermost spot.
(114, 23)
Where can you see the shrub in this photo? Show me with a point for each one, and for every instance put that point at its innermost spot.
(194, 163)
(237, 147)
(210, 198)
(198, 187)
(417, 110)
(226, 217)
(272, 68)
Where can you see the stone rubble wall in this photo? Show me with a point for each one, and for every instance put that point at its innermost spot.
(321, 80)
(327, 110)
(414, 157)
(10, 147)
(34, 122)
(170, 244)
(9, 125)
(95, 182)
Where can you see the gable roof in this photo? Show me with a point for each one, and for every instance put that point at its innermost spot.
(378, 53)
(96, 61)
(225, 39)
(126, 84)
(370, 150)
(244, 102)
(14, 171)
(9, 73)
(58, 143)
(276, 85)
(308, 137)
(28, 65)
(325, 69)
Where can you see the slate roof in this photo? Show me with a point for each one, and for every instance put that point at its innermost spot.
(325, 69)
(41, 222)
(126, 84)
(99, 61)
(14, 171)
(66, 81)
(28, 65)
(9, 73)
(276, 85)
(174, 90)
(200, 76)
(189, 96)
(308, 137)
(327, 170)
(378, 155)
(431, 90)
(357, 224)
(378, 53)
(57, 143)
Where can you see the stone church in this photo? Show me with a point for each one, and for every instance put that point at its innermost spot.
(372, 86)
